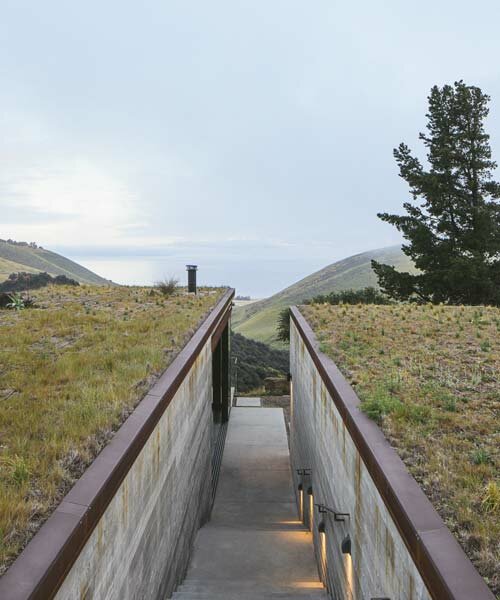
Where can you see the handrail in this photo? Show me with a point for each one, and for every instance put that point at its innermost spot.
(337, 516)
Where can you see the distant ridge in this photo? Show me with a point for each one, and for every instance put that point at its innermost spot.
(21, 256)
(258, 320)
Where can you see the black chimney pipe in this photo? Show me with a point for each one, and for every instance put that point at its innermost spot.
(191, 269)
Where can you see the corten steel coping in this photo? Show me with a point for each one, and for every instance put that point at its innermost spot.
(443, 565)
(41, 568)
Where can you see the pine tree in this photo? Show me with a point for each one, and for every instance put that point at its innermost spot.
(453, 224)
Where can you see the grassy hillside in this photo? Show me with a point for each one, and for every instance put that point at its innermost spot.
(258, 320)
(428, 375)
(256, 361)
(15, 258)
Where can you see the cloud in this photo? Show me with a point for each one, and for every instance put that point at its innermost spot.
(66, 200)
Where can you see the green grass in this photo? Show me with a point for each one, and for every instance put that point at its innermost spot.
(261, 327)
(70, 373)
(429, 376)
(7, 267)
(258, 320)
(15, 258)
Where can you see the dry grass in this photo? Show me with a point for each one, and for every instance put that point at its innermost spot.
(429, 375)
(70, 373)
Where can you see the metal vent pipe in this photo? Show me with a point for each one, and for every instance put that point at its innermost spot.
(191, 270)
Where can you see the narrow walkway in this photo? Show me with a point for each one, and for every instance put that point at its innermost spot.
(254, 546)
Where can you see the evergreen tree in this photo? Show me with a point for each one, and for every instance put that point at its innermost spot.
(453, 224)
(283, 327)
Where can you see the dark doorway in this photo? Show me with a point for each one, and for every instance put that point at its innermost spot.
(221, 402)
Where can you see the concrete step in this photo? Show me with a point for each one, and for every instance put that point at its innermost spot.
(249, 585)
(237, 596)
(246, 590)
(260, 594)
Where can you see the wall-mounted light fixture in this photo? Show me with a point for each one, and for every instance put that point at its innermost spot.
(302, 473)
(311, 507)
(322, 549)
(346, 545)
(300, 487)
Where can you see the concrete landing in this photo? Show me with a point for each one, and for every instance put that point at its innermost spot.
(254, 546)
(249, 402)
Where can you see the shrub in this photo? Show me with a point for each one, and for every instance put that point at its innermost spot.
(167, 286)
(256, 362)
(19, 282)
(367, 295)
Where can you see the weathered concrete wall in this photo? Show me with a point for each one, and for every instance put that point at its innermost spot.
(380, 564)
(140, 547)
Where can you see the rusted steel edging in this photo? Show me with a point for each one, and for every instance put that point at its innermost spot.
(220, 329)
(41, 568)
(446, 570)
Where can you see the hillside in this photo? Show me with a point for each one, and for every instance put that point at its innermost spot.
(258, 320)
(16, 257)
(256, 361)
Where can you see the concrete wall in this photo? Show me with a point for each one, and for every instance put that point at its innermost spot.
(380, 564)
(140, 547)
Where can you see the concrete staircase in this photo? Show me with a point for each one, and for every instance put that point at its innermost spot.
(245, 590)
(254, 546)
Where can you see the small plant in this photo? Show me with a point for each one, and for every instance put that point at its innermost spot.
(18, 469)
(491, 498)
(394, 382)
(324, 347)
(379, 404)
(450, 404)
(481, 457)
(167, 286)
(16, 302)
(485, 346)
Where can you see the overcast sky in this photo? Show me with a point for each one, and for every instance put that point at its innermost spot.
(242, 128)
